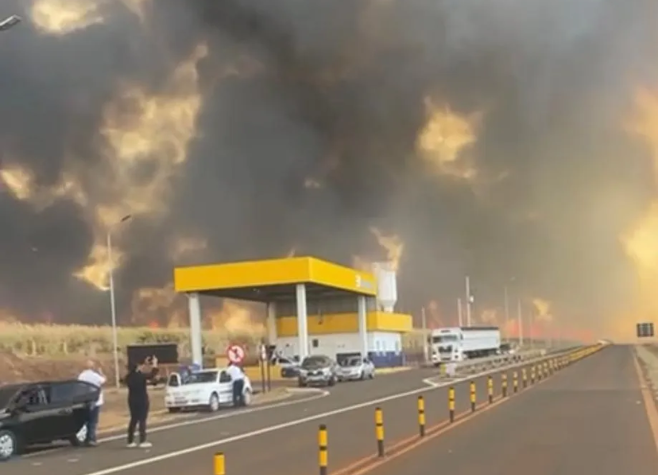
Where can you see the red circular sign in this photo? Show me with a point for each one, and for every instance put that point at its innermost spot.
(235, 354)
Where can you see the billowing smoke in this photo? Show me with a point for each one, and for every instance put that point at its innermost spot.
(488, 136)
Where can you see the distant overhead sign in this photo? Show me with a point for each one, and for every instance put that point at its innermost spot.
(644, 330)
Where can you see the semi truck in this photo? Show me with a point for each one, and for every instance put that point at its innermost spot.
(461, 343)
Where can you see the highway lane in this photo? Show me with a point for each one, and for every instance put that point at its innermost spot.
(383, 386)
(282, 439)
(590, 418)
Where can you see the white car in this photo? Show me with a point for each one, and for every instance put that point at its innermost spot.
(209, 389)
(356, 367)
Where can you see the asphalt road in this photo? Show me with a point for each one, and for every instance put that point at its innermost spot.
(281, 438)
(588, 419)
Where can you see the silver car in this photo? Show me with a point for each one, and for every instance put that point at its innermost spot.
(356, 367)
(318, 370)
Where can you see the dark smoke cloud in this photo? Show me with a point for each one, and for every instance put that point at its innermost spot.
(338, 94)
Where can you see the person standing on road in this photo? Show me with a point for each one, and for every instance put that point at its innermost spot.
(138, 400)
(237, 377)
(93, 374)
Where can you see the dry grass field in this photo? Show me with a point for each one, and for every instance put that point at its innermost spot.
(33, 352)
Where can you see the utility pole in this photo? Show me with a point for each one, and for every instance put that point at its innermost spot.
(506, 314)
(519, 316)
(423, 323)
(459, 312)
(469, 301)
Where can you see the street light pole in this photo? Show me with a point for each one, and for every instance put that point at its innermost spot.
(468, 301)
(519, 316)
(115, 336)
(10, 22)
(506, 314)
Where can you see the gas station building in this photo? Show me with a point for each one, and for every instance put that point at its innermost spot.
(305, 297)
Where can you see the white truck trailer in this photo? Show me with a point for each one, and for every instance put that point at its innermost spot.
(460, 343)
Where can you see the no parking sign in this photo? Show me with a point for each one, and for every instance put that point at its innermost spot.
(235, 354)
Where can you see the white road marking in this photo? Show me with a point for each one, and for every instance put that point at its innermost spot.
(211, 445)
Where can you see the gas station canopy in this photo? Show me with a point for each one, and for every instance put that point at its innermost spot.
(296, 279)
(274, 280)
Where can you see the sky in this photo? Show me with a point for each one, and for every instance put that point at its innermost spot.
(511, 141)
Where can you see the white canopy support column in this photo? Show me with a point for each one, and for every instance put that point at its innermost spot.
(271, 323)
(302, 321)
(363, 325)
(195, 329)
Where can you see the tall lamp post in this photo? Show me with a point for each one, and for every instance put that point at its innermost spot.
(507, 313)
(10, 22)
(115, 337)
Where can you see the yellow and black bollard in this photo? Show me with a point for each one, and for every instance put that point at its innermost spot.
(379, 431)
(421, 416)
(532, 374)
(515, 381)
(504, 384)
(323, 457)
(473, 397)
(219, 463)
(451, 403)
(525, 378)
(490, 389)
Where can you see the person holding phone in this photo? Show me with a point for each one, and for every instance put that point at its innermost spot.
(138, 400)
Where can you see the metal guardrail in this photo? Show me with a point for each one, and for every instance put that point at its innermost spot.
(479, 365)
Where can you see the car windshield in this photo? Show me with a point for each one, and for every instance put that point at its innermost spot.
(7, 394)
(351, 362)
(314, 362)
(202, 377)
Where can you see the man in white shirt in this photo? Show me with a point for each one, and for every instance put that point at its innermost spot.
(93, 375)
(237, 377)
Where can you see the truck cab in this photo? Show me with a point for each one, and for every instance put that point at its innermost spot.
(446, 345)
(460, 343)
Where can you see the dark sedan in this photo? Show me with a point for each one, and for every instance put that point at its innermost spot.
(41, 413)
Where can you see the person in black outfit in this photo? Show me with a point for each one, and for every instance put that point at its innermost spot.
(138, 400)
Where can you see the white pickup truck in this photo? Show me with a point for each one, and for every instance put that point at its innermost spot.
(209, 389)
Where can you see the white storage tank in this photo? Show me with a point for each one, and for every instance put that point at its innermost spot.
(387, 286)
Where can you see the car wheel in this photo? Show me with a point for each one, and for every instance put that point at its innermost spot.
(213, 404)
(246, 398)
(362, 376)
(8, 445)
(332, 381)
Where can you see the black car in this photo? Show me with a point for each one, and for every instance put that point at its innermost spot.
(41, 413)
